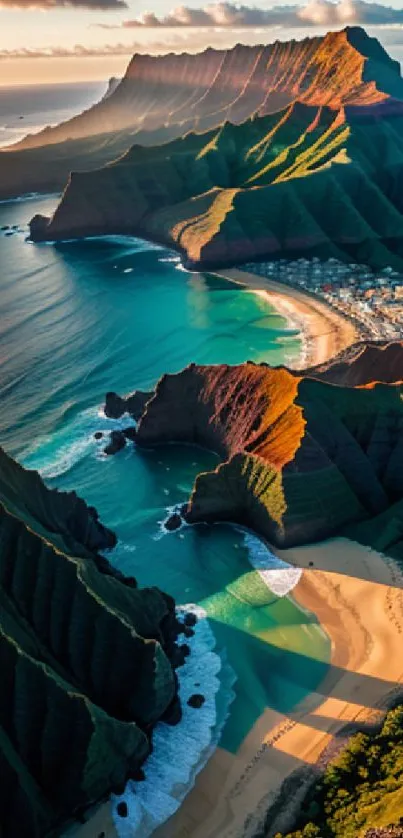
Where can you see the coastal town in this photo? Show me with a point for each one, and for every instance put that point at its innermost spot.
(373, 301)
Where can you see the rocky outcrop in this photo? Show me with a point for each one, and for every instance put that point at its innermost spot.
(302, 459)
(87, 656)
(115, 406)
(299, 181)
(364, 363)
(62, 518)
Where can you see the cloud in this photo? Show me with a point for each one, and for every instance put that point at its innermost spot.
(81, 51)
(96, 5)
(228, 15)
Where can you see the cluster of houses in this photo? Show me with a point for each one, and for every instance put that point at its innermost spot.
(373, 300)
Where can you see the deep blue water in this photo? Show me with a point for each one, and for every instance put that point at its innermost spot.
(25, 109)
(81, 318)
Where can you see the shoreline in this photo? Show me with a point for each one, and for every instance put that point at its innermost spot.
(350, 589)
(324, 332)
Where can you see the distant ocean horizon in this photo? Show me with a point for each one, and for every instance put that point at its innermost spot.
(27, 109)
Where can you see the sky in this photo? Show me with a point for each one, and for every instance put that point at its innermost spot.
(54, 41)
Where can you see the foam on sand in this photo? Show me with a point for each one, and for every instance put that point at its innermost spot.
(279, 576)
(180, 752)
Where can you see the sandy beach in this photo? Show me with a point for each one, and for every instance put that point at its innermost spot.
(357, 597)
(324, 332)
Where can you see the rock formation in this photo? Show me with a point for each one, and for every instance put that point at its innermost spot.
(86, 656)
(317, 175)
(302, 458)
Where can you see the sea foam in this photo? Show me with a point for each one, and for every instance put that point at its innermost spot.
(180, 752)
(279, 576)
(59, 453)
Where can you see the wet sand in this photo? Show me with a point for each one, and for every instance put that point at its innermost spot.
(324, 332)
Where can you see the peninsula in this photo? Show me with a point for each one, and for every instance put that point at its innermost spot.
(302, 459)
(288, 175)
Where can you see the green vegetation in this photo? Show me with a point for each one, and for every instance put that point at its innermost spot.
(303, 181)
(85, 659)
(361, 789)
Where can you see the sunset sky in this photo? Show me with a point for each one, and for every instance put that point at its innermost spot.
(44, 41)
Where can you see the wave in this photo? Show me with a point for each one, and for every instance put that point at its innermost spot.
(58, 454)
(180, 752)
(30, 196)
(279, 576)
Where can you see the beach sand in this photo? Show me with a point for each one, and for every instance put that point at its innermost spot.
(324, 331)
(357, 597)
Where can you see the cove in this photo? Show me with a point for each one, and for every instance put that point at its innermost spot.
(82, 318)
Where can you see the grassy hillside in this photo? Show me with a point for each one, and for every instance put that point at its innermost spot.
(307, 180)
(301, 459)
(85, 655)
(362, 789)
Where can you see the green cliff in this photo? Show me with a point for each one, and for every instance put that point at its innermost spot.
(85, 654)
(319, 175)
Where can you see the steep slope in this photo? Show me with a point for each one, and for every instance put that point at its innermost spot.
(197, 92)
(302, 458)
(85, 654)
(307, 180)
(165, 97)
(363, 363)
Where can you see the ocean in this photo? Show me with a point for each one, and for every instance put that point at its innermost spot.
(28, 109)
(81, 318)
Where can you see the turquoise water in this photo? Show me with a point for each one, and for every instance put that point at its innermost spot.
(81, 318)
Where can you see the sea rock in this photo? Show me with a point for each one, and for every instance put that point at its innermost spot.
(190, 619)
(134, 404)
(117, 442)
(114, 406)
(98, 435)
(130, 433)
(122, 809)
(180, 654)
(173, 714)
(76, 644)
(197, 700)
(174, 522)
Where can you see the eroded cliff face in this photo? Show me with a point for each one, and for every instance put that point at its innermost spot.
(87, 657)
(302, 458)
(189, 92)
(165, 97)
(61, 517)
(363, 364)
(300, 181)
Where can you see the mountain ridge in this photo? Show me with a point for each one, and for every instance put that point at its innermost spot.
(306, 181)
(152, 108)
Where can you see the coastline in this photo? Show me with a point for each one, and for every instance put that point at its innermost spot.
(350, 589)
(324, 331)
